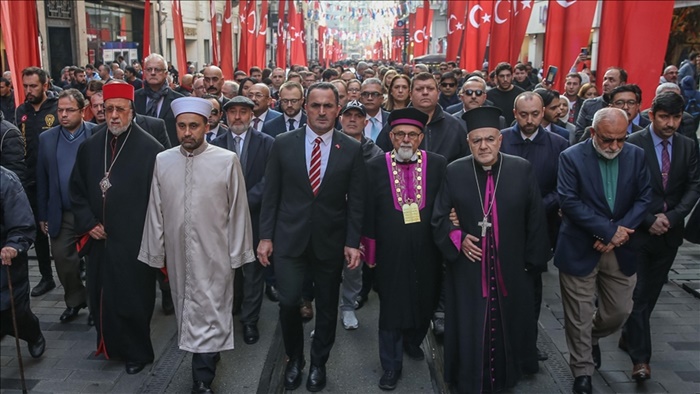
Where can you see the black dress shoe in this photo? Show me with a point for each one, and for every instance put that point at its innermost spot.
(582, 385)
(596, 356)
(413, 352)
(133, 367)
(272, 293)
(71, 312)
(292, 373)
(360, 301)
(317, 379)
(250, 334)
(36, 348)
(91, 320)
(167, 303)
(439, 326)
(541, 356)
(43, 287)
(201, 388)
(389, 380)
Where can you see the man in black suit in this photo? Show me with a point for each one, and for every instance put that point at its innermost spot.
(312, 211)
(155, 97)
(372, 96)
(571, 88)
(672, 161)
(291, 99)
(614, 77)
(253, 148)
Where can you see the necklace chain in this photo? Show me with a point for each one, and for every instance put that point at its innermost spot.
(478, 188)
(418, 177)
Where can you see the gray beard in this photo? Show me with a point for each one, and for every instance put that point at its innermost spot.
(404, 154)
(118, 131)
(605, 154)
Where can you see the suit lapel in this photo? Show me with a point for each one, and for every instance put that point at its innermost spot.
(333, 157)
(677, 161)
(165, 107)
(251, 149)
(596, 178)
(650, 157)
(299, 156)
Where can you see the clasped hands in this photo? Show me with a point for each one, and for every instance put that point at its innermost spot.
(622, 235)
(264, 251)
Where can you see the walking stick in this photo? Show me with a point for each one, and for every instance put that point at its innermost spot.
(14, 326)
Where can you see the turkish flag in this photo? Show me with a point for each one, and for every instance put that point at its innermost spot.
(421, 33)
(297, 36)
(146, 49)
(322, 46)
(479, 14)
(214, 33)
(281, 60)
(568, 30)
(508, 29)
(642, 52)
(246, 53)
(261, 37)
(179, 35)
(456, 20)
(227, 43)
(21, 35)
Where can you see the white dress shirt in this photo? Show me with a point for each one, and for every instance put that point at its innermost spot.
(325, 149)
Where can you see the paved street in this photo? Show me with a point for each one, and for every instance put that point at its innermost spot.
(69, 364)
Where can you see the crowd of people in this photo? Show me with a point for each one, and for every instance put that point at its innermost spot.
(313, 187)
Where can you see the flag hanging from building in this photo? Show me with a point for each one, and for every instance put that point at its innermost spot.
(473, 51)
(179, 35)
(227, 42)
(21, 35)
(260, 59)
(146, 49)
(281, 60)
(246, 52)
(214, 33)
(421, 32)
(508, 27)
(297, 36)
(456, 19)
(568, 30)
(646, 28)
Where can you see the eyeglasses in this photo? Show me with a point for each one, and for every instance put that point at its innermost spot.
(448, 85)
(469, 92)
(370, 94)
(111, 108)
(608, 141)
(401, 135)
(353, 90)
(153, 70)
(621, 103)
(256, 96)
(214, 111)
(68, 110)
(289, 101)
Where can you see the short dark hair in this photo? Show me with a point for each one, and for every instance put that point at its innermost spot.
(423, 76)
(5, 81)
(90, 66)
(693, 55)
(79, 70)
(547, 95)
(623, 73)
(43, 75)
(243, 82)
(625, 88)
(574, 75)
(448, 75)
(255, 69)
(521, 67)
(95, 85)
(670, 102)
(130, 69)
(323, 86)
(329, 73)
(75, 94)
(503, 66)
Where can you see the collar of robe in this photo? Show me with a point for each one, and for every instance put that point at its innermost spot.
(197, 151)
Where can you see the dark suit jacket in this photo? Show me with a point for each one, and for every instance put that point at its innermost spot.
(585, 115)
(683, 186)
(587, 133)
(586, 214)
(49, 207)
(165, 113)
(257, 150)
(271, 115)
(293, 218)
(156, 128)
(279, 125)
(577, 108)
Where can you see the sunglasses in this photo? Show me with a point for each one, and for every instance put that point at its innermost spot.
(469, 92)
(448, 85)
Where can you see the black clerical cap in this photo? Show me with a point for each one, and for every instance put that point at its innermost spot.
(240, 101)
(483, 117)
(408, 116)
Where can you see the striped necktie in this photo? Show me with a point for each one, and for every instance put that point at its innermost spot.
(315, 168)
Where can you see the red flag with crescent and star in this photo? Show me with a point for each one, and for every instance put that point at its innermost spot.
(508, 28)
(421, 32)
(214, 33)
(281, 56)
(21, 38)
(226, 42)
(146, 49)
(568, 30)
(260, 59)
(246, 53)
(479, 13)
(642, 52)
(456, 19)
(297, 36)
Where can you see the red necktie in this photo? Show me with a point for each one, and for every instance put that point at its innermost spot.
(315, 171)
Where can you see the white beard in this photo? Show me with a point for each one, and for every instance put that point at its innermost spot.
(607, 155)
(405, 153)
(118, 131)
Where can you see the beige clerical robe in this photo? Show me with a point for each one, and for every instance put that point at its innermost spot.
(199, 225)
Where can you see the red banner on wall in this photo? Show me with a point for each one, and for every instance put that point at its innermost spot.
(508, 27)
(214, 33)
(281, 60)
(421, 29)
(179, 35)
(260, 58)
(456, 21)
(227, 42)
(479, 14)
(21, 35)
(146, 49)
(297, 36)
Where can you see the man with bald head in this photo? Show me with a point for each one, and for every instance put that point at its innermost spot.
(604, 195)
(670, 74)
(213, 81)
(185, 87)
(277, 78)
(262, 114)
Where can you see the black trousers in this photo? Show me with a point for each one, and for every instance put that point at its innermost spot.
(326, 275)
(391, 343)
(27, 323)
(41, 244)
(655, 261)
(204, 367)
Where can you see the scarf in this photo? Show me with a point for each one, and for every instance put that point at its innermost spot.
(155, 96)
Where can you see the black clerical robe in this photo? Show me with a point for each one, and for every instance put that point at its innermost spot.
(408, 262)
(121, 288)
(522, 245)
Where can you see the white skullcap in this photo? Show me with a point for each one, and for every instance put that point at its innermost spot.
(193, 105)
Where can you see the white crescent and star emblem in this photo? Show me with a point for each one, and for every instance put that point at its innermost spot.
(566, 3)
(449, 24)
(262, 31)
(472, 15)
(496, 18)
(255, 21)
(416, 35)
